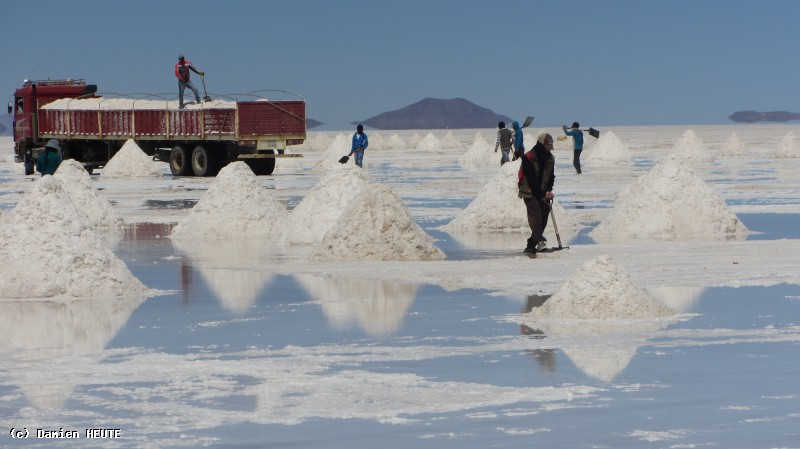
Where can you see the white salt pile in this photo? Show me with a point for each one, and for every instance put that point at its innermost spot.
(289, 164)
(75, 180)
(340, 146)
(691, 148)
(131, 162)
(429, 143)
(376, 141)
(479, 154)
(414, 141)
(733, 147)
(320, 142)
(126, 104)
(498, 208)
(50, 249)
(600, 290)
(449, 141)
(236, 205)
(377, 226)
(669, 202)
(396, 142)
(478, 137)
(319, 211)
(788, 148)
(609, 152)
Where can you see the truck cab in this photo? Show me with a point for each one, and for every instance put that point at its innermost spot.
(24, 109)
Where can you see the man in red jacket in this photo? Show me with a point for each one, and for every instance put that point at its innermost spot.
(182, 68)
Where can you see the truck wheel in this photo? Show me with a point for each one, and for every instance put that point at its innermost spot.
(204, 161)
(28, 162)
(180, 163)
(261, 166)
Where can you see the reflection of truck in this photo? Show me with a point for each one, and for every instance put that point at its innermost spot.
(197, 140)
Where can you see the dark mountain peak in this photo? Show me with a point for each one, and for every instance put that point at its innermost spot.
(772, 116)
(436, 113)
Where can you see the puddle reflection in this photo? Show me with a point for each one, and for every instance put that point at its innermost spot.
(34, 335)
(231, 269)
(376, 307)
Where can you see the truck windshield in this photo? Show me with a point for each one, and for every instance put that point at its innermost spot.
(19, 105)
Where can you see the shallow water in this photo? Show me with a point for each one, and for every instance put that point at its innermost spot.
(306, 361)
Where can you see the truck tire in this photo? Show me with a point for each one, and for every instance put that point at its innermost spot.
(28, 162)
(261, 166)
(180, 163)
(205, 161)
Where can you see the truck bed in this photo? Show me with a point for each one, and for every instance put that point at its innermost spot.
(103, 119)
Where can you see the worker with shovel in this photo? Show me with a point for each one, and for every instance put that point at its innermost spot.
(182, 68)
(360, 143)
(577, 144)
(536, 179)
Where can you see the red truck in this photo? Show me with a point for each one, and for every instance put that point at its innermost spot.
(197, 140)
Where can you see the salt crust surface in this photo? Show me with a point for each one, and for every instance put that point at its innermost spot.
(669, 202)
(131, 162)
(50, 248)
(324, 204)
(377, 226)
(236, 205)
(80, 187)
(600, 290)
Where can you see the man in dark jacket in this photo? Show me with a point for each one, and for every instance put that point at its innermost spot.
(48, 161)
(182, 68)
(504, 141)
(536, 179)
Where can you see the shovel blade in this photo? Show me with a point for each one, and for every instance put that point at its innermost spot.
(528, 121)
(594, 133)
(344, 159)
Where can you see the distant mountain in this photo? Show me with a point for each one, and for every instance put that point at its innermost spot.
(5, 124)
(435, 113)
(311, 123)
(753, 116)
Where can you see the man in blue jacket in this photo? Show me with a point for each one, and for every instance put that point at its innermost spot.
(519, 145)
(48, 161)
(577, 144)
(360, 143)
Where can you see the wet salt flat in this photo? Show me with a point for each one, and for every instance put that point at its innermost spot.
(250, 345)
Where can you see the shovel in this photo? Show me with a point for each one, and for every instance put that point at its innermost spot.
(528, 121)
(206, 98)
(594, 133)
(344, 159)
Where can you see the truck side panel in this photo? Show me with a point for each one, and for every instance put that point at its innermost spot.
(276, 118)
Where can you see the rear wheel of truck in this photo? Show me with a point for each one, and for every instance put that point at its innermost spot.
(261, 166)
(180, 163)
(205, 162)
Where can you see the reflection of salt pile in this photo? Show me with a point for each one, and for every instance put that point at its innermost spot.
(131, 162)
(498, 208)
(600, 290)
(324, 204)
(339, 147)
(678, 298)
(230, 268)
(235, 205)
(429, 143)
(788, 148)
(669, 202)
(377, 307)
(50, 248)
(36, 332)
(691, 149)
(481, 153)
(609, 151)
(377, 226)
(76, 182)
(733, 147)
(397, 143)
(449, 141)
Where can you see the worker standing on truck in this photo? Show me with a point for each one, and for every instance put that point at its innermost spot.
(48, 161)
(182, 68)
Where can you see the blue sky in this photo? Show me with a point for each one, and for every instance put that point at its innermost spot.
(613, 62)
